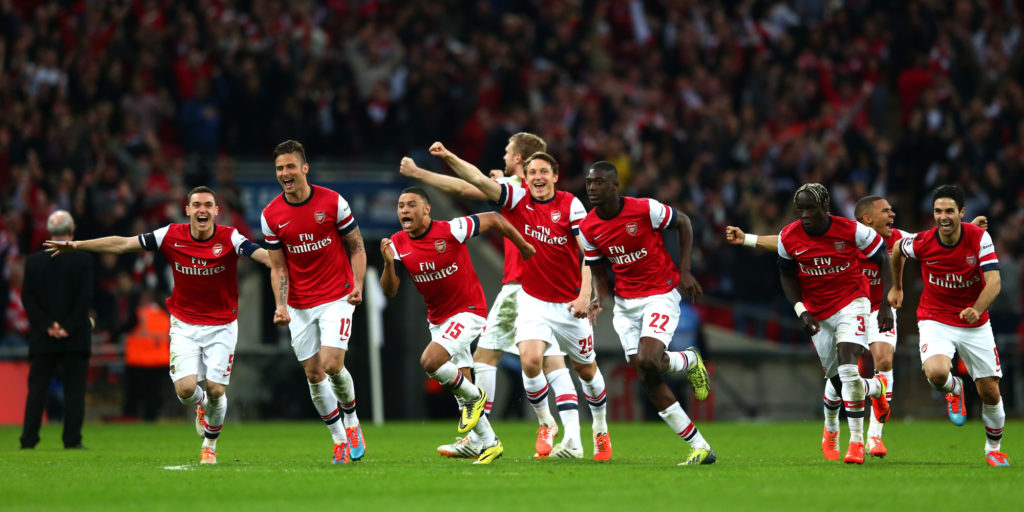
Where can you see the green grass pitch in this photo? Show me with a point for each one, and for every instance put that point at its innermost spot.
(286, 466)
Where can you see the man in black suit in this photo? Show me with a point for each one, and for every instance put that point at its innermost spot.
(57, 294)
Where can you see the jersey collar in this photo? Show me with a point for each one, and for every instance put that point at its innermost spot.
(429, 227)
(308, 199)
(194, 239)
(622, 204)
(942, 244)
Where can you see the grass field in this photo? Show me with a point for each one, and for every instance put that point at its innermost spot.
(285, 466)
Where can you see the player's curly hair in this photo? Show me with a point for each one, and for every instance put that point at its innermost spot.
(818, 192)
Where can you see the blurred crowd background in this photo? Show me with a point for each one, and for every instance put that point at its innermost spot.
(113, 109)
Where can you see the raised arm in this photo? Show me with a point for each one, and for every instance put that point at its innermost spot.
(493, 220)
(687, 283)
(279, 283)
(388, 277)
(107, 244)
(357, 257)
(447, 184)
(736, 236)
(467, 171)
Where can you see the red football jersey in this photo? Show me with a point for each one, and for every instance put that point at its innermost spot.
(310, 234)
(553, 273)
(953, 276)
(630, 241)
(827, 267)
(439, 265)
(870, 270)
(205, 290)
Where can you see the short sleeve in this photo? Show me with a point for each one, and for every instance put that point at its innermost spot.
(907, 246)
(346, 221)
(591, 253)
(152, 241)
(987, 259)
(510, 195)
(867, 239)
(463, 228)
(576, 214)
(662, 215)
(782, 250)
(268, 233)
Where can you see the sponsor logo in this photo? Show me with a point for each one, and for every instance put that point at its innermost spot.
(971, 260)
(176, 244)
(217, 249)
(279, 226)
(632, 228)
(798, 253)
(931, 262)
(839, 245)
(440, 245)
(319, 216)
(556, 216)
(400, 256)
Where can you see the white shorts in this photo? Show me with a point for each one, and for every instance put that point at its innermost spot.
(456, 333)
(499, 333)
(655, 317)
(976, 346)
(326, 325)
(553, 323)
(884, 337)
(206, 351)
(848, 325)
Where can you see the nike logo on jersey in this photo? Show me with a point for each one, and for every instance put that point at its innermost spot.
(798, 253)
(176, 244)
(528, 207)
(597, 236)
(404, 255)
(931, 262)
(279, 226)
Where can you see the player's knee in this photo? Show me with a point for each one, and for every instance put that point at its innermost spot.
(647, 364)
(185, 392)
(214, 390)
(532, 365)
(430, 364)
(585, 371)
(883, 363)
(989, 396)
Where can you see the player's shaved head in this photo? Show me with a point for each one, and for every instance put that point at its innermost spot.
(418, 191)
(606, 170)
(865, 205)
(818, 193)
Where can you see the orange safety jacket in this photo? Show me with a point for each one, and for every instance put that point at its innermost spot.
(149, 345)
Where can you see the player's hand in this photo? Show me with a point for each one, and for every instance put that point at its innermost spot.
(734, 235)
(810, 324)
(387, 250)
(437, 149)
(981, 221)
(690, 287)
(970, 315)
(593, 309)
(895, 297)
(885, 319)
(409, 168)
(496, 174)
(578, 307)
(281, 316)
(527, 251)
(55, 247)
(355, 297)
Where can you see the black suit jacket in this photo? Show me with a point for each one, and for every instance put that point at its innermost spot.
(58, 290)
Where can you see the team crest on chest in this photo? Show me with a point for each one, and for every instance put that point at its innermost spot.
(440, 245)
(839, 245)
(556, 216)
(217, 249)
(971, 260)
(320, 216)
(632, 228)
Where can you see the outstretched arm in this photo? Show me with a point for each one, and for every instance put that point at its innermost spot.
(448, 184)
(107, 244)
(468, 172)
(489, 220)
(357, 257)
(736, 236)
(261, 256)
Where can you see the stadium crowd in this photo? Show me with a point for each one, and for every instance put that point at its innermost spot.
(112, 110)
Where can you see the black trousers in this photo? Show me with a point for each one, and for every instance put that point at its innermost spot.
(75, 367)
(144, 390)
